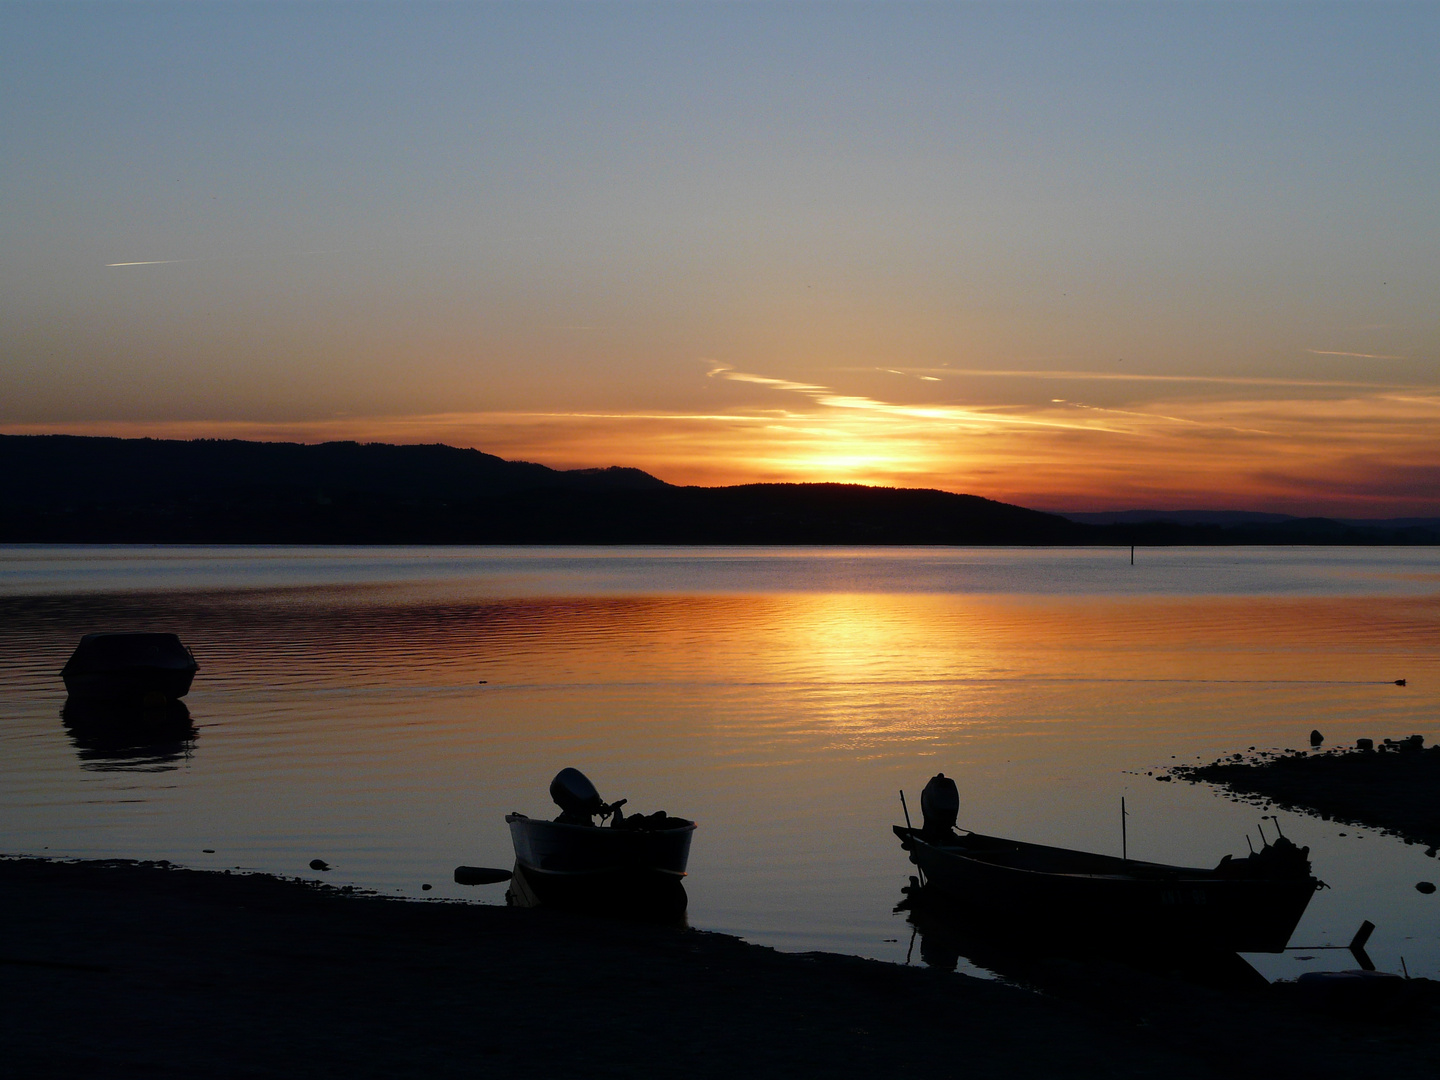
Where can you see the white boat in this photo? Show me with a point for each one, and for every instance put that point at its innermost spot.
(574, 858)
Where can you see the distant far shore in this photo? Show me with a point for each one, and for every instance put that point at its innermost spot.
(75, 489)
(116, 968)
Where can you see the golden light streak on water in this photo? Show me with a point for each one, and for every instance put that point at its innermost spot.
(780, 697)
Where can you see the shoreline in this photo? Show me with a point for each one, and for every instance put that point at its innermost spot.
(123, 968)
(1390, 787)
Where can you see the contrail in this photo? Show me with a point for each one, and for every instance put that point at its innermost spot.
(286, 254)
(1357, 355)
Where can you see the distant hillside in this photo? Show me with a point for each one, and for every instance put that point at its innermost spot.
(58, 488)
(70, 489)
(1180, 517)
(69, 470)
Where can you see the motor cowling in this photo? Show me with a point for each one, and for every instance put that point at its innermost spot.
(576, 796)
(939, 806)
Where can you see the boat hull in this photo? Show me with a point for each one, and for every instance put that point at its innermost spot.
(633, 872)
(556, 849)
(1107, 901)
(129, 669)
(135, 684)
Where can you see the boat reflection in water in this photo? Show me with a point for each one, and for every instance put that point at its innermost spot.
(659, 899)
(632, 866)
(112, 737)
(1029, 953)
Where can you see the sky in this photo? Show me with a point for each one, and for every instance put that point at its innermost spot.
(1077, 256)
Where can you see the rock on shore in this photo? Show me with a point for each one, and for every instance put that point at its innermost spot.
(1394, 787)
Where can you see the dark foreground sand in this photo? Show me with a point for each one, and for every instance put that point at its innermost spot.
(123, 969)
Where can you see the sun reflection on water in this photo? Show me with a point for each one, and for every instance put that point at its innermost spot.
(388, 726)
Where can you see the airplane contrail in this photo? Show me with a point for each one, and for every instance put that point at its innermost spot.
(1358, 355)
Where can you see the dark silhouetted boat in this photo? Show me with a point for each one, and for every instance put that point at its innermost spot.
(130, 669)
(635, 859)
(1243, 905)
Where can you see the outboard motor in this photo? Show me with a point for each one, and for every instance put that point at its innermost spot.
(939, 806)
(576, 796)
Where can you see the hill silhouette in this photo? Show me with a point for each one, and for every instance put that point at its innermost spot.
(76, 489)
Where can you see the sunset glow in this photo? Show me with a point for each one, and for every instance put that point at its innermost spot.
(1045, 255)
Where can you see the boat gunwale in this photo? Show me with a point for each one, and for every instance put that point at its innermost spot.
(1159, 873)
(689, 826)
(610, 839)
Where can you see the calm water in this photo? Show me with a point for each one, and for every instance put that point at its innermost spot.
(781, 697)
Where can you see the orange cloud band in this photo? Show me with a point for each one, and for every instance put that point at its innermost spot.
(1366, 455)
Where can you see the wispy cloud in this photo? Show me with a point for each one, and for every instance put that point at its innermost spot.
(1365, 453)
(909, 374)
(151, 262)
(958, 415)
(349, 249)
(1356, 355)
(725, 371)
(1128, 376)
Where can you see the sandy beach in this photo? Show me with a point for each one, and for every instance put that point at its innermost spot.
(128, 969)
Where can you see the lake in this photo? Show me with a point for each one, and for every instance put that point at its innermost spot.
(383, 708)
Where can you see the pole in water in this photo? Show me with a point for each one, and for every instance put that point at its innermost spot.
(918, 867)
(1124, 843)
(1132, 554)
(1357, 946)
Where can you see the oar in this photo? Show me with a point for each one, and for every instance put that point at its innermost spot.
(480, 875)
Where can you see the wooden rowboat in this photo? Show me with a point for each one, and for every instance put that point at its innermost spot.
(1244, 905)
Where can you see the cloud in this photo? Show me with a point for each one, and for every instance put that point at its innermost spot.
(1367, 453)
(1126, 376)
(1357, 355)
(958, 415)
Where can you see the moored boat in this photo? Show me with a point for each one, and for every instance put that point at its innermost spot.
(1244, 905)
(574, 859)
(129, 669)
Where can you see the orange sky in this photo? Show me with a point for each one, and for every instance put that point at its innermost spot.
(1333, 447)
(1076, 257)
